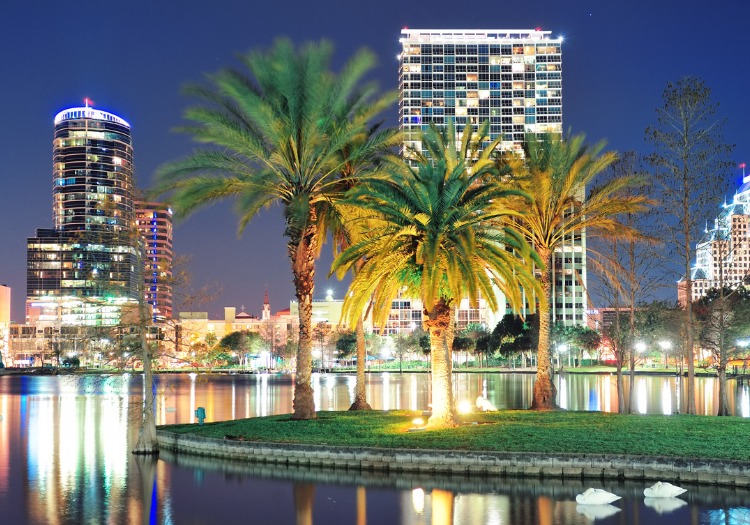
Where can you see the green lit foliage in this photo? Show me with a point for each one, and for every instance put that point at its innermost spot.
(443, 232)
(282, 133)
(559, 175)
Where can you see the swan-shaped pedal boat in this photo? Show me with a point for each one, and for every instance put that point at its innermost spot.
(663, 490)
(596, 497)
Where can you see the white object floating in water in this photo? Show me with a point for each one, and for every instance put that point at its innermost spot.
(664, 505)
(597, 512)
(663, 490)
(596, 497)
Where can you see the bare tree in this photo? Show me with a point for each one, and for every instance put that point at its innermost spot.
(689, 159)
(629, 272)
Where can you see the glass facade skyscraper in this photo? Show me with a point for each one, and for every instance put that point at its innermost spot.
(511, 78)
(86, 269)
(92, 182)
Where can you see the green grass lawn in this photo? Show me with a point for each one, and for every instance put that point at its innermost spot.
(705, 437)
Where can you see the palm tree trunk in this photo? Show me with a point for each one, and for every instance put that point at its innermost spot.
(361, 506)
(360, 394)
(443, 507)
(545, 393)
(302, 256)
(439, 325)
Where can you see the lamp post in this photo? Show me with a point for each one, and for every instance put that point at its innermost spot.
(666, 346)
(640, 347)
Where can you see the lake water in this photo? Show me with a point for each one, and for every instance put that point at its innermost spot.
(65, 457)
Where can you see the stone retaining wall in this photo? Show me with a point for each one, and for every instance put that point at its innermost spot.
(566, 466)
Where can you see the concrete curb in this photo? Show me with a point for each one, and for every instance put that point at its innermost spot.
(466, 463)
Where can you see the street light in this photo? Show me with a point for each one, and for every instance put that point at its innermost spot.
(562, 348)
(666, 346)
(640, 347)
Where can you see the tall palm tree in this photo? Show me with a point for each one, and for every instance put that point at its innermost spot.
(441, 233)
(556, 173)
(344, 230)
(280, 135)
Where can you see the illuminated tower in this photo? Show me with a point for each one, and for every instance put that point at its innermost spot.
(511, 77)
(84, 270)
(92, 181)
(154, 222)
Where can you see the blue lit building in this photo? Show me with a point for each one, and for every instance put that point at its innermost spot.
(723, 253)
(154, 222)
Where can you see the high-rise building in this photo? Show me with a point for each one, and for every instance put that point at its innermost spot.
(83, 270)
(154, 222)
(513, 78)
(723, 253)
(92, 181)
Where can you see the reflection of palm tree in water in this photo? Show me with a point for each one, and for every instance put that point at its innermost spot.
(304, 496)
(361, 506)
(442, 507)
(545, 507)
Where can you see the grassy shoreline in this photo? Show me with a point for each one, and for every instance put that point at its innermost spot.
(673, 436)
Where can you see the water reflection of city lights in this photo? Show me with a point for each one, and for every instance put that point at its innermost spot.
(563, 393)
(315, 382)
(351, 387)
(745, 403)
(642, 396)
(413, 390)
(666, 398)
(608, 392)
(234, 400)
(417, 500)
(386, 391)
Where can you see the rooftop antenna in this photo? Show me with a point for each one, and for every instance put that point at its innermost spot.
(744, 178)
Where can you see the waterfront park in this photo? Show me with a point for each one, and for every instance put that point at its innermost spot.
(452, 220)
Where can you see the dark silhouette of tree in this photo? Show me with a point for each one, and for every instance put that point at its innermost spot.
(689, 160)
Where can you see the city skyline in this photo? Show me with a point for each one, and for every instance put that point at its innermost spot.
(132, 60)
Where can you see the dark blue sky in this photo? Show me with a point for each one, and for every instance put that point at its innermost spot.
(132, 58)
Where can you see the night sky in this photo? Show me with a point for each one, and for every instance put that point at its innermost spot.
(132, 58)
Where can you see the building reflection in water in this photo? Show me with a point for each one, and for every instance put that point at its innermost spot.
(666, 399)
(74, 453)
(229, 397)
(5, 448)
(64, 450)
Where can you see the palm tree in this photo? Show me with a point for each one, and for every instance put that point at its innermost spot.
(281, 135)
(440, 232)
(344, 230)
(556, 173)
